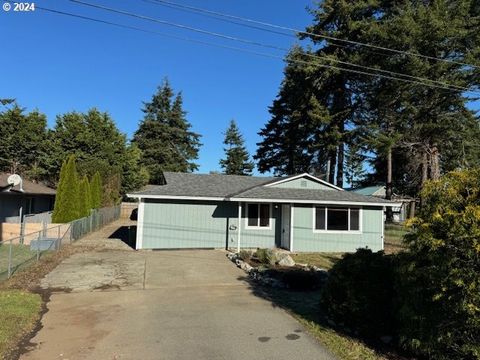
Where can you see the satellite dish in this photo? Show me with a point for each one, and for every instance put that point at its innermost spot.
(15, 180)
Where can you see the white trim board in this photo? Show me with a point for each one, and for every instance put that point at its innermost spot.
(140, 224)
(311, 177)
(327, 202)
(262, 200)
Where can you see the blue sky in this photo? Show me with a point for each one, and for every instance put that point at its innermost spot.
(59, 64)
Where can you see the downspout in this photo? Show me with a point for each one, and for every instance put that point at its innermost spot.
(239, 225)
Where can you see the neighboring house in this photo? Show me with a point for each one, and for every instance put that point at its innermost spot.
(400, 212)
(297, 213)
(34, 199)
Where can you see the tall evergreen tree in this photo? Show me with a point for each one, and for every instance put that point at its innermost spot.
(164, 135)
(426, 130)
(237, 160)
(292, 138)
(98, 145)
(23, 142)
(67, 200)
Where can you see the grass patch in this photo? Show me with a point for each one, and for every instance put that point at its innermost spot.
(322, 260)
(394, 238)
(22, 258)
(21, 254)
(19, 313)
(342, 346)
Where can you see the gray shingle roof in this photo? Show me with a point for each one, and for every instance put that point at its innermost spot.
(307, 195)
(204, 185)
(244, 187)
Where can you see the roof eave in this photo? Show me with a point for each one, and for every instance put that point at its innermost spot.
(239, 199)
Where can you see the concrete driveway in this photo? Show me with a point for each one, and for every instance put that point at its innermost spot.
(123, 304)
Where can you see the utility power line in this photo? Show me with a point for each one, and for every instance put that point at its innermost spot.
(414, 79)
(220, 15)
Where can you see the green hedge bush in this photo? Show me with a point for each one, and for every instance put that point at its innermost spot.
(429, 296)
(359, 293)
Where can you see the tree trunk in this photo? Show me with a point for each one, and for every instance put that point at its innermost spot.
(389, 185)
(340, 162)
(412, 209)
(424, 173)
(333, 161)
(435, 163)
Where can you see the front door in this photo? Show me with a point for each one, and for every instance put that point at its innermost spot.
(285, 239)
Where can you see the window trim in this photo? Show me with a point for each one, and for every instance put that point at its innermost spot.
(326, 231)
(258, 227)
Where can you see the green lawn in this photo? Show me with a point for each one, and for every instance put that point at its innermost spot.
(19, 312)
(322, 260)
(21, 255)
(393, 238)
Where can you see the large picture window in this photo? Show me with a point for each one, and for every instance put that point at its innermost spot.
(258, 215)
(336, 219)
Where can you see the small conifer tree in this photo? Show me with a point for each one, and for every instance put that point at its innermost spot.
(67, 200)
(96, 191)
(85, 197)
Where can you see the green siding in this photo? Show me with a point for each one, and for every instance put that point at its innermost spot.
(186, 224)
(304, 239)
(310, 184)
(260, 238)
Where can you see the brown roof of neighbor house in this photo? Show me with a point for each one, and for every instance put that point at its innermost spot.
(29, 187)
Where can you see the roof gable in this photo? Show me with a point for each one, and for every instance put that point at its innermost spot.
(303, 181)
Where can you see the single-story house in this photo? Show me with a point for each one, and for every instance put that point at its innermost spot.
(31, 198)
(299, 213)
(400, 212)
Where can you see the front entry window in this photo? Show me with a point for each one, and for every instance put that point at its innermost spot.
(258, 215)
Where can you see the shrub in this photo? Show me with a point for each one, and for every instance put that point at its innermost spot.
(439, 281)
(359, 293)
(301, 280)
(265, 256)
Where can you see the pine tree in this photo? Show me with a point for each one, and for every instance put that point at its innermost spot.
(164, 135)
(237, 158)
(96, 191)
(67, 200)
(85, 197)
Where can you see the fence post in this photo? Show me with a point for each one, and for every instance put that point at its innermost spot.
(38, 245)
(10, 260)
(59, 239)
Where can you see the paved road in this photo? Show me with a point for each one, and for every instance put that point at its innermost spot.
(124, 304)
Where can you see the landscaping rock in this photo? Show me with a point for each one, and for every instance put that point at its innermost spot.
(285, 260)
(246, 267)
(232, 256)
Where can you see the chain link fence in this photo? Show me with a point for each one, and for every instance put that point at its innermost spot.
(22, 251)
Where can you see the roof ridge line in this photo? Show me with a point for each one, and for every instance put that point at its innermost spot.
(245, 190)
